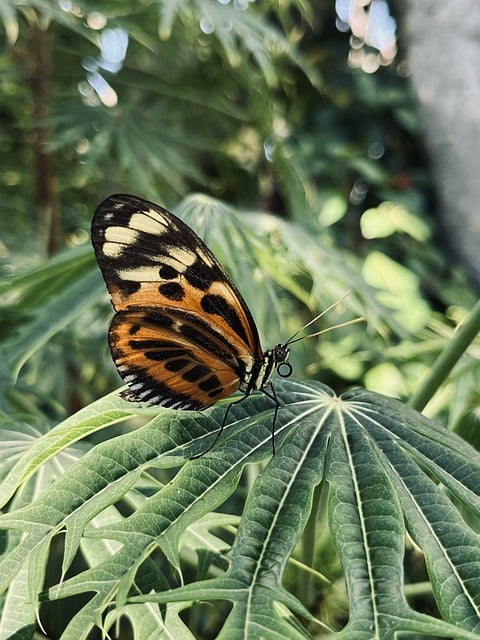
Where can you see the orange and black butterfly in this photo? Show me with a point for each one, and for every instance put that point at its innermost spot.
(182, 336)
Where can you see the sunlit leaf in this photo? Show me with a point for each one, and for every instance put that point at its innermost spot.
(384, 464)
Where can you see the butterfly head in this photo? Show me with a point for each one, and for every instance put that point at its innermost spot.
(280, 355)
(260, 374)
(276, 359)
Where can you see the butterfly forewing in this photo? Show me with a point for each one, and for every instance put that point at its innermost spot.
(183, 336)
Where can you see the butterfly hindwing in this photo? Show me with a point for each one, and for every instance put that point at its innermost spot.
(182, 335)
(167, 358)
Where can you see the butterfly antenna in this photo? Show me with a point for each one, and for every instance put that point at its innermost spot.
(334, 326)
(294, 338)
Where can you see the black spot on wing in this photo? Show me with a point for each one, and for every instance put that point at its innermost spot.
(201, 276)
(177, 365)
(128, 287)
(166, 272)
(201, 337)
(135, 328)
(211, 384)
(157, 350)
(159, 355)
(158, 318)
(217, 305)
(196, 373)
(215, 393)
(172, 291)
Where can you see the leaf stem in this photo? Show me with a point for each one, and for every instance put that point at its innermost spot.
(445, 362)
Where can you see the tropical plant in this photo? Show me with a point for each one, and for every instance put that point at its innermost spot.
(144, 519)
(109, 524)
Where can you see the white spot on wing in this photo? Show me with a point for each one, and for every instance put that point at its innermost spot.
(179, 258)
(122, 235)
(150, 222)
(116, 238)
(142, 395)
(112, 249)
(206, 258)
(140, 274)
(182, 255)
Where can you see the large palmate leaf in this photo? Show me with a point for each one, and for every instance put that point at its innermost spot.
(386, 468)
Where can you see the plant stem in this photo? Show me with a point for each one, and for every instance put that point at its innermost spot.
(445, 362)
(40, 63)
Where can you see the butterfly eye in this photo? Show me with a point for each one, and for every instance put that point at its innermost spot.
(284, 370)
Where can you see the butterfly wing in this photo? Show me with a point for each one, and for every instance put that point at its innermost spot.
(167, 358)
(182, 336)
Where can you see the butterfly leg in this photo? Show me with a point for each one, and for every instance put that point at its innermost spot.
(220, 431)
(273, 398)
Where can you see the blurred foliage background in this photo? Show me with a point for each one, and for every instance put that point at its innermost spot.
(307, 131)
(304, 141)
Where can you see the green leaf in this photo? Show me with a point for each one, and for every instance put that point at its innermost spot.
(238, 30)
(383, 463)
(64, 292)
(18, 613)
(389, 218)
(399, 289)
(9, 18)
(98, 415)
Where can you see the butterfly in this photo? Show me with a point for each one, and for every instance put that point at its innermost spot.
(182, 335)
